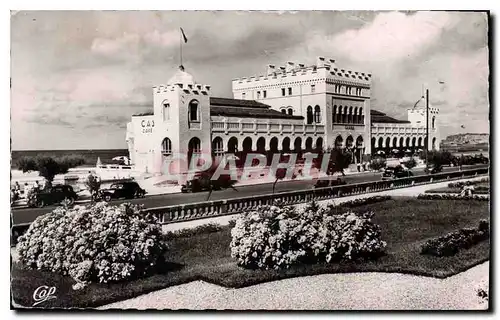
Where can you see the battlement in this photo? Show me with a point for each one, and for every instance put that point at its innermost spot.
(291, 68)
(186, 87)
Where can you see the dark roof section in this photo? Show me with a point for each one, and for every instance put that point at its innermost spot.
(228, 102)
(243, 112)
(380, 117)
(245, 109)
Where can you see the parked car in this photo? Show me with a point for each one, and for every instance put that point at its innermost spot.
(126, 189)
(323, 183)
(434, 170)
(202, 182)
(53, 195)
(396, 173)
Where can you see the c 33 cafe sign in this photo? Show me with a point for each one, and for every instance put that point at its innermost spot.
(147, 126)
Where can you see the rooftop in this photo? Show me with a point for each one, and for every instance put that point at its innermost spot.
(380, 117)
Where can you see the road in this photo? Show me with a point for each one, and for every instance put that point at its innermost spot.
(27, 215)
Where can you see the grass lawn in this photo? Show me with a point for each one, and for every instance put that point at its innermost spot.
(405, 223)
(480, 188)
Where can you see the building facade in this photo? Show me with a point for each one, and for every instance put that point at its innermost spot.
(295, 109)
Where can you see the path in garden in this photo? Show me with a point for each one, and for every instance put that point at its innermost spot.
(354, 291)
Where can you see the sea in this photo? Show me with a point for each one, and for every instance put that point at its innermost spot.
(90, 155)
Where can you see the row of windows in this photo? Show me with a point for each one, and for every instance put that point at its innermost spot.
(313, 117)
(338, 88)
(284, 92)
(345, 114)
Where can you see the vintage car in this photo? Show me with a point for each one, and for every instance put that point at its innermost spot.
(396, 173)
(126, 189)
(202, 182)
(323, 183)
(53, 195)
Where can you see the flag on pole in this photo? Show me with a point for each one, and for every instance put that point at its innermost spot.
(184, 36)
(418, 102)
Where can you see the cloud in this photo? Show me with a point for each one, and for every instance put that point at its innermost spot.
(86, 73)
(391, 35)
(113, 46)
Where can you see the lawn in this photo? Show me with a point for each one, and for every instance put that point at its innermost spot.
(481, 188)
(405, 223)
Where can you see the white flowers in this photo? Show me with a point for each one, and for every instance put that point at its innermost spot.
(88, 243)
(277, 237)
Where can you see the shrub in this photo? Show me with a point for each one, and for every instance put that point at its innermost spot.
(273, 237)
(364, 201)
(184, 233)
(378, 163)
(461, 184)
(451, 196)
(98, 243)
(453, 242)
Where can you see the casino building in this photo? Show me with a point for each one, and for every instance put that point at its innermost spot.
(295, 108)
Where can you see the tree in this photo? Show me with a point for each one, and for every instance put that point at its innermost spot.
(279, 175)
(410, 164)
(49, 167)
(439, 158)
(338, 162)
(378, 163)
(93, 184)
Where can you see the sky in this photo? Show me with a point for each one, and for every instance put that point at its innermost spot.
(78, 76)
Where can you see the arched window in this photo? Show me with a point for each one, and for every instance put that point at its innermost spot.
(166, 147)
(317, 114)
(319, 144)
(194, 112)
(218, 147)
(283, 111)
(334, 114)
(434, 122)
(434, 143)
(339, 142)
(349, 142)
(194, 145)
(290, 111)
(309, 115)
(361, 116)
(355, 115)
(339, 117)
(344, 116)
(349, 117)
(166, 111)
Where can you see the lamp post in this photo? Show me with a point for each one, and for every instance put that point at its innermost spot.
(426, 129)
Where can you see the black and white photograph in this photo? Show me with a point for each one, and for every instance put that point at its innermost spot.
(313, 160)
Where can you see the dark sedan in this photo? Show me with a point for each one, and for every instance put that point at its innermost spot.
(53, 195)
(128, 190)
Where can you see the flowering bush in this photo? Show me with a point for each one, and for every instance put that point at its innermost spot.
(98, 243)
(451, 196)
(452, 242)
(277, 237)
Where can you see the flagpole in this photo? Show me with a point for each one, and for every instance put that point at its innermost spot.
(180, 41)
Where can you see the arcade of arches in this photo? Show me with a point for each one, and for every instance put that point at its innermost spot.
(399, 144)
(269, 147)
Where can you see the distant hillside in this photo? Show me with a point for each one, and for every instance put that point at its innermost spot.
(467, 139)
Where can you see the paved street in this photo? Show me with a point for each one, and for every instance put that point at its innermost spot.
(27, 215)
